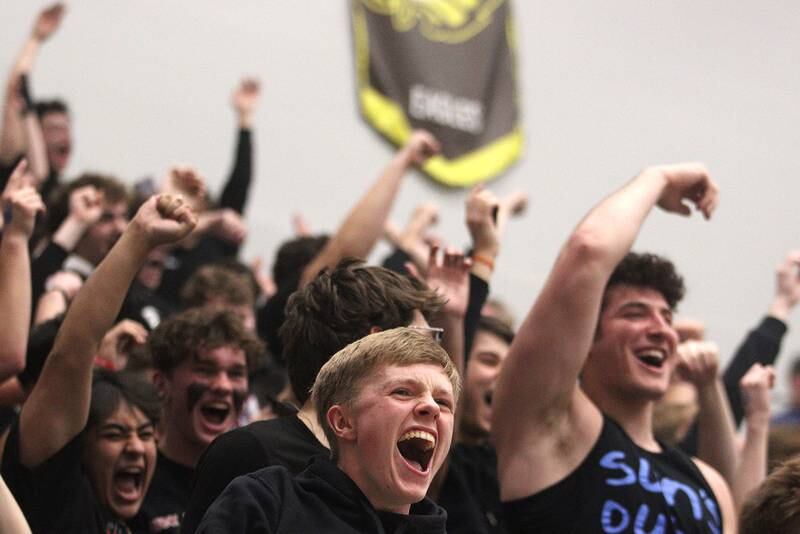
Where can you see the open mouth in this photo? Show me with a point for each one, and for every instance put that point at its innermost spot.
(652, 358)
(416, 447)
(487, 397)
(216, 413)
(129, 482)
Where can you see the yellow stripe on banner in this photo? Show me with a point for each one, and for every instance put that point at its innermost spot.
(475, 167)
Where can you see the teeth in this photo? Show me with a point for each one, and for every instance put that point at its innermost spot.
(420, 434)
(653, 354)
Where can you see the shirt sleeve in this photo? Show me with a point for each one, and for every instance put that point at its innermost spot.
(237, 188)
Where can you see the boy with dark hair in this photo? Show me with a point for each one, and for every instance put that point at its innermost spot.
(70, 475)
(201, 359)
(386, 404)
(221, 287)
(337, 308)
(582, 456)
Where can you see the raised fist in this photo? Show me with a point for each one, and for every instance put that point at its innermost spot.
(421, 146)
(22, 201)
(164, 219)
(687, 182)
(48, 21)
(698, 362)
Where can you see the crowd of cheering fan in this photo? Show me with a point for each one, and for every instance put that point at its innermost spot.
(152, 382)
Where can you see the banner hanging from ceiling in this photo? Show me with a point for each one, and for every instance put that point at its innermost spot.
(446, 66)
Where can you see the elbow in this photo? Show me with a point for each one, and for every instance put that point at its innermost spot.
(586, 246)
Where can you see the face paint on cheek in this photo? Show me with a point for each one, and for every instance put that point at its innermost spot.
(194, 392)
(239, 396)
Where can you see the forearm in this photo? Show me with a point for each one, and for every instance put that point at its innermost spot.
(69, 233)
(716, 433)
(12, 521)
(478, 292)
(234, 195)
(15, 303)
(13, 140)
(761, 345)
(36, 152)
(752, 469)
(50, 305)
(609, 230)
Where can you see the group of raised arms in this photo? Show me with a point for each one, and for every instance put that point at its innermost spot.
(152, 382)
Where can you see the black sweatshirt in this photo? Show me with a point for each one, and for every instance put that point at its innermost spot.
(320, 499)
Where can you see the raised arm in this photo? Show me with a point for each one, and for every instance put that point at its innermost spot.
(752, 469)
(58, 407)
(15, 289)
(699, 364)
(245, 100)
(13, 138)
(550, 348)
(763, 344)
(364, 224)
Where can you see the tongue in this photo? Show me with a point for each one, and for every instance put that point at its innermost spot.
(126, 484)
(415, 464)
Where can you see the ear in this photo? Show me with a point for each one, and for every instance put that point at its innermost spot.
(160, 381)
(341, 423)
(375, 329)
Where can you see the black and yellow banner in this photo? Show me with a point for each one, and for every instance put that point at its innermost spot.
(446, 66)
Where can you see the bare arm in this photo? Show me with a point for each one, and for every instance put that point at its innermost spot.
(13, 139)
(752, 469)
(11, 519)
(15, 271)
(699, 363)
(550, 348)
(364, 224)
(58, 407)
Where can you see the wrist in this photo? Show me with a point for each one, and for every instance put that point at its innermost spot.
(70, 232)
(758, 422)
(780, 308)
(245, 121)
(15, 237)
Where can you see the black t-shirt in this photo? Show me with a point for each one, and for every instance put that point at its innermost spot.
(622, 488)
(470, 492)
(285, 441)
(56, 496)
(320, 499)
(166, 499)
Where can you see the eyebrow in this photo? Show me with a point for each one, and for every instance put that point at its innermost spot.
(124, 428)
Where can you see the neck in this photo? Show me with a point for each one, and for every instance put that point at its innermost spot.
(635, 416)
(308, 416)
(178, 450)
(349, 463)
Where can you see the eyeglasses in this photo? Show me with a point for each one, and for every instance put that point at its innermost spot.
(435, 332)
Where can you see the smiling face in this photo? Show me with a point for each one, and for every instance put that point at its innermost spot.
(202, 398)
(485, 361)
(634, 351)
(396, 434)
(120, 457)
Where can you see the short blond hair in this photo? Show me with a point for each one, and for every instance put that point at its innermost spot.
(340, 379)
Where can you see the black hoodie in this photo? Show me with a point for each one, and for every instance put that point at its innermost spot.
(320, 499)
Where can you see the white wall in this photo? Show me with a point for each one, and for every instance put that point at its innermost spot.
(607, 87)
